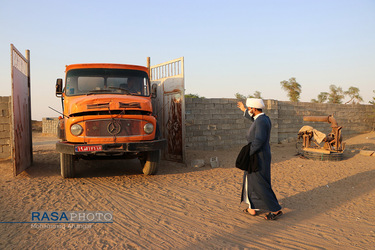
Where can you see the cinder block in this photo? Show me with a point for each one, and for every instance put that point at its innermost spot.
(4, 113)
(198, 121)
(5, 134)
(201, 138)
(6, 149)
(207, 132)
(216, 111)
(198, 133)
(189, 116)
(5, 127)
(194, 127)
(208, 106)
(5, 156)
(219, 106)
(211, 138)
(4, 120)
(4, 141)
(226, 126)
(217, 116)
(4, 99)
(4, 106)
(214, 121)
(193, 139)
(212, 143)
(188, 134)
(211, 127)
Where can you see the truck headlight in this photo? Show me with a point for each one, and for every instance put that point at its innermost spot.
(148, 128)
(76, 129)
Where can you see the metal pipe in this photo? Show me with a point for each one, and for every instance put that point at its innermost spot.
(328, 119)
(149, 67)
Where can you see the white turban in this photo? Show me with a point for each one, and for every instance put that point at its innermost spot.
(255, 103)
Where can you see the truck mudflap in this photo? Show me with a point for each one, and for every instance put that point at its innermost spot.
(81, 149)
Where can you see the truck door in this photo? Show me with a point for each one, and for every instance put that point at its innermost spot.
(169, 106)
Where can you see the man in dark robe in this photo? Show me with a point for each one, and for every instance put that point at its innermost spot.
(256, 189)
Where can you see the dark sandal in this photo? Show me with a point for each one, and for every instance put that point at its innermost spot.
(272, 216)
(246, 211)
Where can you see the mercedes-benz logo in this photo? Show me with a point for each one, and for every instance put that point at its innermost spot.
(114, 128)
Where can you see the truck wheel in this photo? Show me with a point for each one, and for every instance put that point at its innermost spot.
(150, 166)
(67, 165)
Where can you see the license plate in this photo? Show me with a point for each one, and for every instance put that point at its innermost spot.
(89, 148)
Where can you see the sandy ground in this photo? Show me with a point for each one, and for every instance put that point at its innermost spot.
(327, 205)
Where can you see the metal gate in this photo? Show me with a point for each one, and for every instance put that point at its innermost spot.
(169, 106)
(21, 142)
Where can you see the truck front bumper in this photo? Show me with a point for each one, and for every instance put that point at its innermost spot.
(82, 149)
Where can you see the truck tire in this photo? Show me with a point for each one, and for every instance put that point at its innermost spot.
(150, 166)
(67, 165)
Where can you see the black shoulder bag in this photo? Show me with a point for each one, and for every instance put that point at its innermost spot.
(246, 162)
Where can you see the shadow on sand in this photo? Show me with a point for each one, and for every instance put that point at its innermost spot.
(332, 196)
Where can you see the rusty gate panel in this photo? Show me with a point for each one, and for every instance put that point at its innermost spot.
(173, 124)
(169, 106)
(21, 112)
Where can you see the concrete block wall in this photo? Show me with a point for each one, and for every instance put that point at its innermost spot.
(50, 125)
(213, 124)
(5, 127)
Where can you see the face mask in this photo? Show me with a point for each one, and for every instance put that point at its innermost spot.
(250, 113)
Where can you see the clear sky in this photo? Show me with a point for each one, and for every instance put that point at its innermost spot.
(229, 46)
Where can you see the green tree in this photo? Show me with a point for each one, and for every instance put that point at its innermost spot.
(256, 94)
(373, 99)
(353, 93)
(322, 97)
(239, 96)
(193, 96)
(293, 88)
(335, 95)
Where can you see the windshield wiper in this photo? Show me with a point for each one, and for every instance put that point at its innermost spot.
(122, 89)
(98, 91)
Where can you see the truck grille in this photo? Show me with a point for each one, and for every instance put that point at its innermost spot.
(130, 105)
(113, 127)
(98, 105)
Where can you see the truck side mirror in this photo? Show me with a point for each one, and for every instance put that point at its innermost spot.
(59, 83)
(154, 90)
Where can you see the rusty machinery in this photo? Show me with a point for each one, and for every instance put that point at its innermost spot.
(333, 147)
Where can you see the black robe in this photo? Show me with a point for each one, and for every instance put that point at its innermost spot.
(260, 193)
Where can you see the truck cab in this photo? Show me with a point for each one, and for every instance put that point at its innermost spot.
(107, 114)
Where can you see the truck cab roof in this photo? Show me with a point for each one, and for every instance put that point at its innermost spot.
(105, 66)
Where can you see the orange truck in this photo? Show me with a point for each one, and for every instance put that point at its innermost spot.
(107, 114)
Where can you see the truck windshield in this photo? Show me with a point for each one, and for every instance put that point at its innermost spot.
(106, 81)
